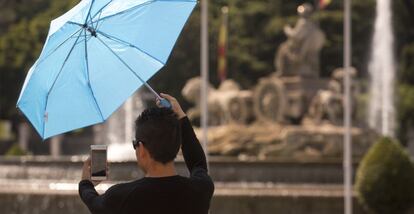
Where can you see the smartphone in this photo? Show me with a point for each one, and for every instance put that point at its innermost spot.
(99, 164)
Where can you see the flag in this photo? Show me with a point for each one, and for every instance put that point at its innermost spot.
(324, 3)
(222, 46)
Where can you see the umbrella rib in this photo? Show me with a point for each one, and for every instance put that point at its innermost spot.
(136, 6)
(64, 62)
(89, 12)
(87, 39)
(113, 38)
(100, 13)
(98, 24)
(130, 69)
(60, 45)
(57, 77)
(100, 10)
(75, 23)
(124, 11)
(89, 79)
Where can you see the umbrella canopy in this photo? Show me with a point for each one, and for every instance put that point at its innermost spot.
(96, 55)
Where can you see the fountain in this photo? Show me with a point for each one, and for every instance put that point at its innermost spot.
(382, 70)
(118, 131)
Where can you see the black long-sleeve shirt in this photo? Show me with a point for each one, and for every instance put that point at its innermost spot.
(173, 194)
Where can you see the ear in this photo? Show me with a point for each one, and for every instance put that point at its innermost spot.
(137, 153)
(142, 152)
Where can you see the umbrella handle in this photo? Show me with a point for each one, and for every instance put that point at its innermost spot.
(165, 103)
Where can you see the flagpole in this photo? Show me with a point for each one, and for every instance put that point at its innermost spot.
(347, 106)
(204, 75)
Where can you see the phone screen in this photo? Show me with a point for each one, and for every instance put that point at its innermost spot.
(98, 168)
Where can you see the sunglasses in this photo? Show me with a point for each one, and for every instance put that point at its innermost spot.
(135, 143)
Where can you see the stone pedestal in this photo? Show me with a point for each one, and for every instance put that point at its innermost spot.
(270, 140)
(55, 146)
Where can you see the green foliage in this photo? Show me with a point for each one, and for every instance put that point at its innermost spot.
(405, 110)
(403, 24)
(385, 179)
(404, 34)
(15, 11)
(407, 64)
(405, 104)
(15, 150)
(20, 47)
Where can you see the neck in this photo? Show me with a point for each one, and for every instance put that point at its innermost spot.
(161, 170)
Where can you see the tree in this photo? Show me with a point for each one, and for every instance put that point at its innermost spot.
(385, 179)
(19, 48)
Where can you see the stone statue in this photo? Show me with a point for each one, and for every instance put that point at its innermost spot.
(299, 55)
(191, 92)
(327, 105)
(290, 113)
(226, 104)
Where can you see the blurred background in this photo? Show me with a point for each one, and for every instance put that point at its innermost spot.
(271, 150)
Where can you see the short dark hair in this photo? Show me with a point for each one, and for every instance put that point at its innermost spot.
(159, 130)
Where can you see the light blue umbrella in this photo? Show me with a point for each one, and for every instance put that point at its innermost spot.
(96, 56)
